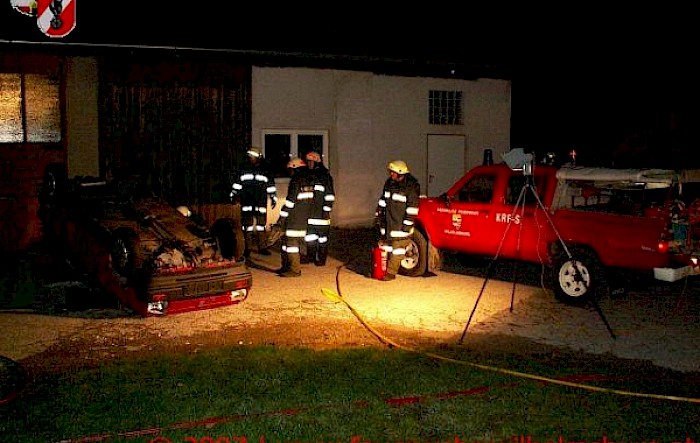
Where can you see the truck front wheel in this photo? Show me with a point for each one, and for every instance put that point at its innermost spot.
(415, 264)
(575, 280)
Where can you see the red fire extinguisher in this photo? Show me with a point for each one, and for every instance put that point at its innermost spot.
(379, 261)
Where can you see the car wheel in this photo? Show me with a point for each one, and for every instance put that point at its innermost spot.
(122, 252)
(53, 186)
(576, 280)
(55, 181)
(224, 232)
(415, 263)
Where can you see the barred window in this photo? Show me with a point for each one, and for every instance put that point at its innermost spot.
(445, 108)
(29, 108)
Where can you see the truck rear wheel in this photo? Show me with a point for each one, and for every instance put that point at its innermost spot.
(576, 280)
(415, 263)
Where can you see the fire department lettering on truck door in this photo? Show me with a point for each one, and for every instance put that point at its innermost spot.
(503, 217)
(456, 221)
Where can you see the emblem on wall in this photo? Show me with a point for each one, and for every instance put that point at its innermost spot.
(55, 18)
(26, 7)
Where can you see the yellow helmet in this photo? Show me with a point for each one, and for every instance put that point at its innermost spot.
(398, 166)
(313, 156)
(296, 162)
(184, 210)
(254, 152)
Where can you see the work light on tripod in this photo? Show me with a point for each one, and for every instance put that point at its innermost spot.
(518, 160)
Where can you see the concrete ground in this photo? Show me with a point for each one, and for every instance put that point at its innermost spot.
(654, 322)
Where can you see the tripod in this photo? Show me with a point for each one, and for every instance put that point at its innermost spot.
(520, 205)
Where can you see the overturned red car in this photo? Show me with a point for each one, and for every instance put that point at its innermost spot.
(155, 258)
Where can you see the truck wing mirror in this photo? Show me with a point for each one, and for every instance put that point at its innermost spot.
(445, 198)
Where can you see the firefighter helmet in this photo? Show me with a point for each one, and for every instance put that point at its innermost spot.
(313, 156)
(254, 152)
(398, 166)
(295, 163)
(184, 210)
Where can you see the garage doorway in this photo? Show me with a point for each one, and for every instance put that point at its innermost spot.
(447, 160)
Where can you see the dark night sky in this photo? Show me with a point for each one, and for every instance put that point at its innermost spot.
(583, 79)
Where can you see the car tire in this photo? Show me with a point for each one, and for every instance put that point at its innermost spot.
(576, 280)
(122, 253)
(415, 263)
(54, 185)
(224, 230)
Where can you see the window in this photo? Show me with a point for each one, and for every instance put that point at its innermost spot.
(445, 108)
(477, 190)
(29, 108)
(517, 194)
(280, 146)
(625, 198)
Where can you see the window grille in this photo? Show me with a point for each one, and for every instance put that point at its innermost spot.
(445, 108)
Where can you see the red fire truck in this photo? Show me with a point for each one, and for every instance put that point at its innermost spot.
(580, 222)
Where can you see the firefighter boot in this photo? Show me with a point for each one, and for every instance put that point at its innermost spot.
(262, 244)
(293, 268)
(321, 255)
(285, 264)
(310, 256)
(248, 237)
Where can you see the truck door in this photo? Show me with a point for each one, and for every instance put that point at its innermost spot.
(465, 223)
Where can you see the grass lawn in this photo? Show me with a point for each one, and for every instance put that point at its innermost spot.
(284, 394)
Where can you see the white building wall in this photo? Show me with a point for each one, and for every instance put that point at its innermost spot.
(81, 117)
(373, 119)
(487, 115)
(358, 171)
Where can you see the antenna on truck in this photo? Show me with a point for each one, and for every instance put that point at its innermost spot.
(518, 160)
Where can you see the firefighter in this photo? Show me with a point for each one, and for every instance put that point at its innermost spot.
(320, 220)
(254, 185)
(294, 217)
(396, 210)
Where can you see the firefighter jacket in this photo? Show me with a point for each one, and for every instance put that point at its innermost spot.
(324, 196)
(296, 211)
(398, 207)
(254, 184)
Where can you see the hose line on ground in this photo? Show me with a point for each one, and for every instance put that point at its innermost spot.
(337, 296)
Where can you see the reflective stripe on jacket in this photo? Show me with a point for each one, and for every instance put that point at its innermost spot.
(254, 185)
(324, 196)
(398, 207)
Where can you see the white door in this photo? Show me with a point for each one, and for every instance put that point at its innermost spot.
(447, 160)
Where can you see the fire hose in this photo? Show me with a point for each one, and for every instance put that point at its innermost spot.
(337, 297)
